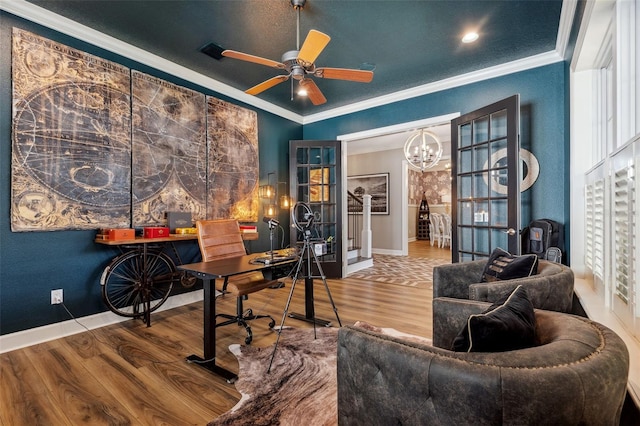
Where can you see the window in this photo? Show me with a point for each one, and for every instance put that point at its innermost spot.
(598, 229)
(624, 217)
(590, 226)
(607, 73)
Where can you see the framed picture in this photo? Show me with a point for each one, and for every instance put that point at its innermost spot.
(375, 185)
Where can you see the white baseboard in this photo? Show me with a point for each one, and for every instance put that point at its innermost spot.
(355, 267)
(387, 251)
(33, 336)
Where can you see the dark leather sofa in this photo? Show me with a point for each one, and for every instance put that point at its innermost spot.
(576, 374)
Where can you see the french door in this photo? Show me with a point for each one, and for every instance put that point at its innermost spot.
(316, 179)
(485, 159)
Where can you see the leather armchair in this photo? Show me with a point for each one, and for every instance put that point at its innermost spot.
(550, 289)
(575, 375)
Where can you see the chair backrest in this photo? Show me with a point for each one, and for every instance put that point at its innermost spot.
(446, 225)
(220, 239)
(435, 220)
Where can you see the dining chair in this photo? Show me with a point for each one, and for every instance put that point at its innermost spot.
(436, 235)
(445, 222)
(222, 239)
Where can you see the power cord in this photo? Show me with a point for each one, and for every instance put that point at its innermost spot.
(92, 334)
(82, 325)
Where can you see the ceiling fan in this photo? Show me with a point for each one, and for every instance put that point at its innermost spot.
(300, 64)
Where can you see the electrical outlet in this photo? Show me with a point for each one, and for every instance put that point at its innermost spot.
(56, 296)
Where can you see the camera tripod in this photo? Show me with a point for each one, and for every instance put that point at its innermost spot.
(305, 258)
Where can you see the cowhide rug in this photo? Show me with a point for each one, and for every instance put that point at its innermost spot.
(300, 388)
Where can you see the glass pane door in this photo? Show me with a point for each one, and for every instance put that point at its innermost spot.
(317, 171)
(486, 175)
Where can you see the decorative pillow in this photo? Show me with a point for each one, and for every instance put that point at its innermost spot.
(503, 265)
(507, 325)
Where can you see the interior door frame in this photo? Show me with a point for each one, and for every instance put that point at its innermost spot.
(381, 131)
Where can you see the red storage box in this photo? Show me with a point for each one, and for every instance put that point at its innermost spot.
(156, 232)
(122, 234)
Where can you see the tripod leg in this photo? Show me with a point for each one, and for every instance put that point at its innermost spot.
(307, 245)
(286, 308)
(324, 280)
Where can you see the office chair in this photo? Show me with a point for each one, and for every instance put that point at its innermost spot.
(221, 239)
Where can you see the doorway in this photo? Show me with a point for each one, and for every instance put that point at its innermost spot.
(386, 138)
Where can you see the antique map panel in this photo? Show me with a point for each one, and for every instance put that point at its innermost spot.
(71, 152)
(169, 150)
(232, 134)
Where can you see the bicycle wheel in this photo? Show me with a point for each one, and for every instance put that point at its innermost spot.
(126, 282)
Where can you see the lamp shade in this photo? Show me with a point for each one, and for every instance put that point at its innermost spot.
(285, 202)
(271, 210)
(266, 191)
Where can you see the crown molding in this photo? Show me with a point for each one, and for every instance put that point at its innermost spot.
(567, 14)
(72, 28)
(448, 83)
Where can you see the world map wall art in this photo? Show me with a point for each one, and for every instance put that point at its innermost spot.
(96, 145)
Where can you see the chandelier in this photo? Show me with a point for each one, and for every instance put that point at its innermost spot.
(422, 150)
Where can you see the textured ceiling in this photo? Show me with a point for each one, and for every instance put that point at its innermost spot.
(411, 43)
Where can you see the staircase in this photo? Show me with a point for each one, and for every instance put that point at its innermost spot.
(359, 233)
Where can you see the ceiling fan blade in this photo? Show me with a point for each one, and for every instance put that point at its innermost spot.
(311, 48)
(313, 92)
(268, 84)
(251, 58)
(361, 76)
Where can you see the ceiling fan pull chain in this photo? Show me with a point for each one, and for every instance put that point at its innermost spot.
(298, 31)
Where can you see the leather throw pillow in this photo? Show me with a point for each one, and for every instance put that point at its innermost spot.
(507, 325)
(503, 265)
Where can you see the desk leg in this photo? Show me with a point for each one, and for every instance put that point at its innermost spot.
(309, 310)
(209, 335)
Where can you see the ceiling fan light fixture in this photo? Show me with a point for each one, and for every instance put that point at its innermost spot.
(300, 62)
(422, 150)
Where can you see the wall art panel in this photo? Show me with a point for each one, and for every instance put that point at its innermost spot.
(232, 134)
(71, 138)
(169, 150)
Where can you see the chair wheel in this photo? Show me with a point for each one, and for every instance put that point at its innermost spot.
(272, 323)
(249, 337)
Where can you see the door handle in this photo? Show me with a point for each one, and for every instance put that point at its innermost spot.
(511, 232)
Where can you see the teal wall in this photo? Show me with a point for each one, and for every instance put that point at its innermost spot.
(544, 124)
(34, 263)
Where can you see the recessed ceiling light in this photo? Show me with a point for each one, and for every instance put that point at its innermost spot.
(470, 37)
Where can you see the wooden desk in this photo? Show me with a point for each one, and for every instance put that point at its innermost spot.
(208, 272)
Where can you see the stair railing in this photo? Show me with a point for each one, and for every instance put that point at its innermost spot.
(359, 223)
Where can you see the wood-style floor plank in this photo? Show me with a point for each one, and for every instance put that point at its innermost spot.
(130, 374)
(25, 400)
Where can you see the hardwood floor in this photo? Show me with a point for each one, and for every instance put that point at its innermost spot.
(130, 374)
